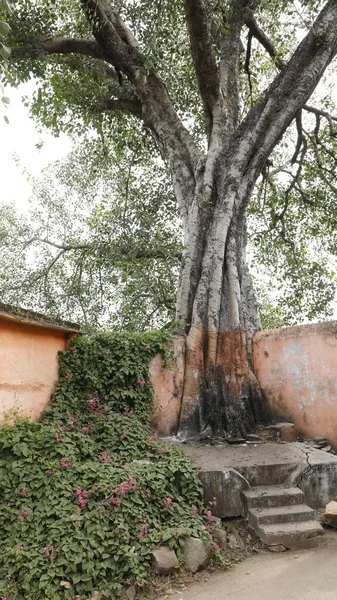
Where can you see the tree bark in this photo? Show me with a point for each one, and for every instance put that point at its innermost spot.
(216, 303)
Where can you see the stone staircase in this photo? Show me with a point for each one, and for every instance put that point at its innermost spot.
(280, 516)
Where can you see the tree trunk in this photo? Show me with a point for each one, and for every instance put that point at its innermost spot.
(217, 305)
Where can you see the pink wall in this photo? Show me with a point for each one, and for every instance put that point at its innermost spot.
(297, 369)
(168, 387)
(28, 366)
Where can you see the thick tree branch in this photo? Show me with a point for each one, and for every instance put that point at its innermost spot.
(231, 46)
(112, 104)
(203, 57)
(59, 45)
(277, 106)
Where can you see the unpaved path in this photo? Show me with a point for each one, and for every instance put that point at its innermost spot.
(300, 575)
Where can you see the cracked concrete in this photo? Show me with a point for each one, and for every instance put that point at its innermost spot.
(294, 464)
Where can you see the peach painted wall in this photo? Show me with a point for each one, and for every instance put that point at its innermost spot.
(168, 388)
(297, 369)
(28, 366)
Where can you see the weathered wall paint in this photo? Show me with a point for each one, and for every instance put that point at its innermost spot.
(297, 369)
(168, 389)
(28, 366)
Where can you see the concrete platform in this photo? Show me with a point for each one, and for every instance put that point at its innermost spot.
(226, 471)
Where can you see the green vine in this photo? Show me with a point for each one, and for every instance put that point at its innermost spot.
(89, 492)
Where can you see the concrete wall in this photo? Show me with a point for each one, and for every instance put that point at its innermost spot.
(297, 369)
(28, 366)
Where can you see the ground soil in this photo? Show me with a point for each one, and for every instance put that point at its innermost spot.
(301, 575)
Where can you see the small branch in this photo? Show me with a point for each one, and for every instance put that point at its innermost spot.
(247, 65)
(112, 104)
(323, 113)
(64, 247)
(299, 136)
(262, 38)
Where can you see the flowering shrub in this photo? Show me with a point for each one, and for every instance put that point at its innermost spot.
(89, 492)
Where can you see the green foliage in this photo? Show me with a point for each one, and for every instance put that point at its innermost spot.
(119, 225)
(89, 492)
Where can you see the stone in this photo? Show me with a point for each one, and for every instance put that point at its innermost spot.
(221, 537)
(232, 541)
(96, 596)
(196, 555)
(252, 437)
(164, 560)
(289, 434)
(131, 592)
(326, 449)
(277, 548)
(330, 515)
(235, 440)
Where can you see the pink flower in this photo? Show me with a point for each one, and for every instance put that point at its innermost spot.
(216, 547)
(147, 348)
(115, 501)
(93, 409)
(194, 511)
(49, 473)
(144, 529)
(167, 502)
(209, 516)
(68, 376)
(154, 437)
(104, 457)
(24, 513)
(24, 492)
(58, 438)
(82, 497)
(48, 550)
(141, 382)
(64, 463)
(126, 486)
(20, 548)
(128, 582)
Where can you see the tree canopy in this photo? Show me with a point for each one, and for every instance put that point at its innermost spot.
(103, 241)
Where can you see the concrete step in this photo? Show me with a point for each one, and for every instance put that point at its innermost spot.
(290, 535)
(279, 514)
(272, 495)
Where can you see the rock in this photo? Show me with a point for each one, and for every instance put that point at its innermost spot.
(326, 449)
(235, 440)
(221, 537)
(131, 592)
(164, 560)
(287, 432)
(232, 541)
(196, 555)
(252, 437)
(330, 515)
(96, 596)
(319, 439)
(217, 521)
(277, 548)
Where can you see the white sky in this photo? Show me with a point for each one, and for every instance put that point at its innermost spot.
(19, 139)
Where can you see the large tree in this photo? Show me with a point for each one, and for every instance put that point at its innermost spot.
(172, 65)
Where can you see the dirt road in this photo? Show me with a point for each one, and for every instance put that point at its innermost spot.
(301, 575)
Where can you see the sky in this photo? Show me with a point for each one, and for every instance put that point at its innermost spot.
(19, 151)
